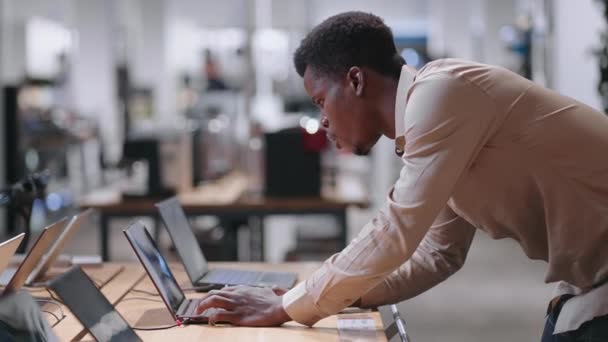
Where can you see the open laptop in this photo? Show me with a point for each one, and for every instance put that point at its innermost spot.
(195, 263)
(182, 309)
(49, 258)
(8, 248)
(14, 278)
(91, 307)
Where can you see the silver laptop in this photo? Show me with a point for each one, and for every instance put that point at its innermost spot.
(8, 248)
(78, 292)
(182, 309)
(49, 258)
(195, 263)
(14, 278)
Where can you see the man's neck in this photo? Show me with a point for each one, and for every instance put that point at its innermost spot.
(386, 106)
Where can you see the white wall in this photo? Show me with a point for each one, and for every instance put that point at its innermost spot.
(156, 64)
(391, 11)
(575, 69)
(211, 13)
(2, 116)
(94, 72)
(291, 14)
(16, 13)
(497, 14)
(469, 29)
(449, 33)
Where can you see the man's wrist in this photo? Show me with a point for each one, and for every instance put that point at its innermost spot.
(281, 315)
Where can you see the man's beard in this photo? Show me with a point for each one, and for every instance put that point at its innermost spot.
(364, 151)
(360, 151)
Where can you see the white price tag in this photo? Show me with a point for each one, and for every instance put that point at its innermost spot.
(357, 329)
(356, 324)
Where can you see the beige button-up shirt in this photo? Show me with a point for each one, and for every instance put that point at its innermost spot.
(483, 148)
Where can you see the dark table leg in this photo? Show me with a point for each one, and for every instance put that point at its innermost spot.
(104, 223)
(157, 227)
(262, 252)
(341, 217)
(255, 224)
(229, 243)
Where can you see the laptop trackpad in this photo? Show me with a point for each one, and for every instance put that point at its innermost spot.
(155, 318)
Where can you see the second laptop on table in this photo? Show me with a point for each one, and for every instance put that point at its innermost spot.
(195, 263)
(7, 250)
(15, 278)
(182, 309)
(51, 256)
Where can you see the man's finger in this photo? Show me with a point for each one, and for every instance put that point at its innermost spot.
(215, 301)
(234, 288)
(221, 316)
(222, 293)
(279, 291)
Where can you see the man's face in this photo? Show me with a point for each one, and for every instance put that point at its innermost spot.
(346, 114)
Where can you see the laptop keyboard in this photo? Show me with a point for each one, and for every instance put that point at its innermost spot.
(284, 279)
(232, 277)
(253, 278)
(192, 306)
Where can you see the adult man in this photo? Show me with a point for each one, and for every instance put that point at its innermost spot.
(482, 148)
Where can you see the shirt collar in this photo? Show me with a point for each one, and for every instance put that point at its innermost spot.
(406, 79)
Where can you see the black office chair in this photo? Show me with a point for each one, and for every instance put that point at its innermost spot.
(394, 323)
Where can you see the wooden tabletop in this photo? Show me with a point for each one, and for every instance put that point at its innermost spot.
(226, 194)
(135, 298)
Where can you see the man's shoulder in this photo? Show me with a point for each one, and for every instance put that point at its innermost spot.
(463, 71)
(453, 67)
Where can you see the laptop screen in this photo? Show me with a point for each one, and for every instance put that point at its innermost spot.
(49, 258)
(7, 250)
(155, 265)
(91, 307)
(183, 238)
(48, 236)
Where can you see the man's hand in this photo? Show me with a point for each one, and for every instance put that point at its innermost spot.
(246, 306)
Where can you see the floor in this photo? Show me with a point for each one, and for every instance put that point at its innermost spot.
(499, 295)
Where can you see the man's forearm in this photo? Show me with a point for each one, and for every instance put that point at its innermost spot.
(441, 253)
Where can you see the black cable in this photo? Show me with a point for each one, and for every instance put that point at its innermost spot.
(53, 295)
(141, 298)
(59, 319)
(55, 324)
(145, 292)
(156, 328)
(51, 301)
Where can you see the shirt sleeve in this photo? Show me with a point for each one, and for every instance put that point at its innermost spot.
(447, 121)
(441, 253)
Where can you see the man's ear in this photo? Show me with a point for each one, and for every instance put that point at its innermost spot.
(356, 80)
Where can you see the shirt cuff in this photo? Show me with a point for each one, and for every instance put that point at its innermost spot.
(300, 307)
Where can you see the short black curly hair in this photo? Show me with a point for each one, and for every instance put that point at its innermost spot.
(346, 40)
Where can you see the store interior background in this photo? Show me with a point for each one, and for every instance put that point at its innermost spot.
(81, 53)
